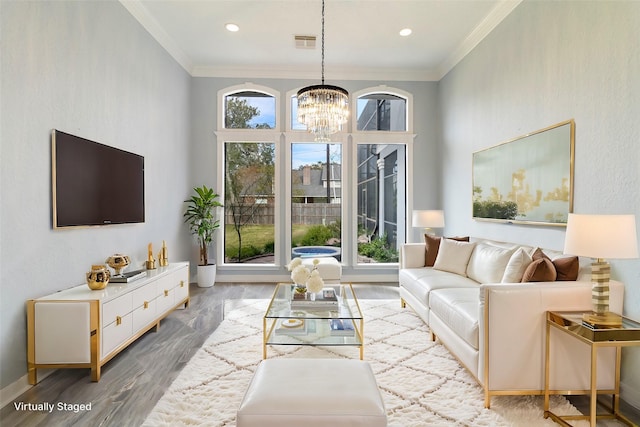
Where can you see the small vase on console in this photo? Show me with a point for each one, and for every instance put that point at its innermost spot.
(98, 277)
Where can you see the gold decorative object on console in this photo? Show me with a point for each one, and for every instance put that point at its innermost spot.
(151, 263)
(163, 256)
(98, 277)
(118, 262)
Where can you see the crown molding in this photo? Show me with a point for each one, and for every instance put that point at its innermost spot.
(312, 73)
(140, 13)
(491, 21)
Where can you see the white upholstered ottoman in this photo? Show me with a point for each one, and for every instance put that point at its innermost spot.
(312, 393)
(329, 268)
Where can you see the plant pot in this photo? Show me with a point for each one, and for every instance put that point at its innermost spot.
(206, 275)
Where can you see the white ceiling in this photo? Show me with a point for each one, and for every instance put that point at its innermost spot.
(361, 36)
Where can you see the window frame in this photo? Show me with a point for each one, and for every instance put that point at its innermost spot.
(283, 136)
(272, 136)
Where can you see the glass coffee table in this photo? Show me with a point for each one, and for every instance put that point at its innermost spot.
(341, 324)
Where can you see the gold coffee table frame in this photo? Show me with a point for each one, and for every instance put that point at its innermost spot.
(317, 330)
(570, 322)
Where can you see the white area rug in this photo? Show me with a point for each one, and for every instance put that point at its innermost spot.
(421, 383)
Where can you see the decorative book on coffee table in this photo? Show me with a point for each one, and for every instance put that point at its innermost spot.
(342, 327)
(325, 300)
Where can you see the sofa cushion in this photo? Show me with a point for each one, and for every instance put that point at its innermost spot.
(432, 244)
(487, 263)
(421, 281)
(458, 309)
(453, 256)
(516, 266)
(567, 268)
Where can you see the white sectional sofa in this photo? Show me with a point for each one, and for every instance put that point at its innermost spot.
(475, 303)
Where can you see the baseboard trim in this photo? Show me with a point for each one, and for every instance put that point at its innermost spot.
(11, 392)
(630, 394)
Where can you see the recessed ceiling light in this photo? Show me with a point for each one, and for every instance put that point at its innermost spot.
(232, 27)
(405, 32)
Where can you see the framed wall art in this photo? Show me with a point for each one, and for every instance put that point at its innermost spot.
(527, 180)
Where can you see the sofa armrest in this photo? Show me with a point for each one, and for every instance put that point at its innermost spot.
(412, 255)
(512, 326)
(553, 294)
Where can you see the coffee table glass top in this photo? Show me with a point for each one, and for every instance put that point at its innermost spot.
(341, 325)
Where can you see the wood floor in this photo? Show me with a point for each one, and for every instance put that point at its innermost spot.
(134, 381)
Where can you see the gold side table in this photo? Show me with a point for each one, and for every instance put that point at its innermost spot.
(571, 323)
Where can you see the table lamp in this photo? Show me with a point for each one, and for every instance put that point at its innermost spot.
(600, 237)
(427, 219)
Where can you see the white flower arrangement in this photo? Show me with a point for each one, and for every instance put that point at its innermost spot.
(294, 263)
(301, 275)
(315, 282)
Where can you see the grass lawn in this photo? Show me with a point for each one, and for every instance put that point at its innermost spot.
(257, 236)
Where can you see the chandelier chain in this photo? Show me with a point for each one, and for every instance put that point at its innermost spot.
(323, 109)
(322, 48)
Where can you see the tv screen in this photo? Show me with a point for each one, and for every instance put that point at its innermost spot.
(94, 184)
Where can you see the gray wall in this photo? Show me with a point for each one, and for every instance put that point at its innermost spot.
(550, 61)
(90, 69)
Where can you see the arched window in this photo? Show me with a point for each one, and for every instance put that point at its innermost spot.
(249, 106)
(248, 135)
(383, 109)
(383, 145)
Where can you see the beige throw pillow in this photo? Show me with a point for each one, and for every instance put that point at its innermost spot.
(516, 266)
(453, 256)
(432, 244)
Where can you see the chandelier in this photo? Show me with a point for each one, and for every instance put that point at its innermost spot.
(323, 109)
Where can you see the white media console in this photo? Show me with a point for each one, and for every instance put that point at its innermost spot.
(81, 328)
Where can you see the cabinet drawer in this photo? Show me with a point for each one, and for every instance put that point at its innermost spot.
(182, 290)
(144, 314)
(165, 300)
(116, 333)
(118, 307)
(147, 293)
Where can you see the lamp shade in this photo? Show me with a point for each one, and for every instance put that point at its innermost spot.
(601, 236)
(428, 219)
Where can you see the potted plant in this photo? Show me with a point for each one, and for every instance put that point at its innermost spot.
(203, 224)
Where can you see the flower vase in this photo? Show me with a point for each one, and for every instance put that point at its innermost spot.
(299, 291)
(312, 296)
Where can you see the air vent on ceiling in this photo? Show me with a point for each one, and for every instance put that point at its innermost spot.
(305, 42)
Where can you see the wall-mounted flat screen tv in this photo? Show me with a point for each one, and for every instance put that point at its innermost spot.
(94, 184)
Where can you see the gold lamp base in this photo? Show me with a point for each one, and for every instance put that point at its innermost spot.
(603, 319)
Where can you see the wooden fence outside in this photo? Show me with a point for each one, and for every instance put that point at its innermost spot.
(301, 213)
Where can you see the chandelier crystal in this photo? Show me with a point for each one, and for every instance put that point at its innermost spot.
(323, 109)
